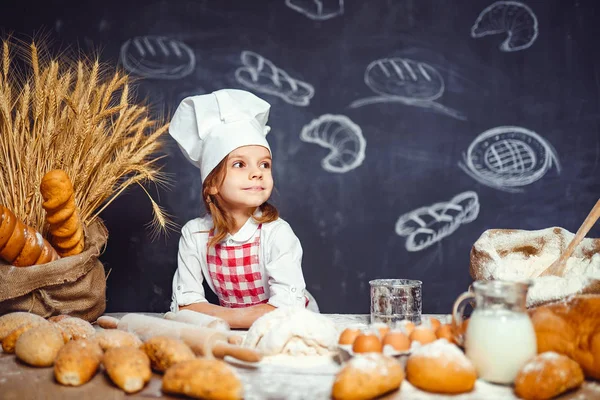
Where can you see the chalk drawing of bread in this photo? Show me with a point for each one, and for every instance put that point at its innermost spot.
(157, 57)
(430, 224)
(341, 136)
(317, 10)
(513, 18)
(260, 74)
(402, 77)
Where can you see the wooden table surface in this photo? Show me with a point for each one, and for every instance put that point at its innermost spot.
(266, 382)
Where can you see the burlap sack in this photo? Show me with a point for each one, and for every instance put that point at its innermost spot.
(495, 244)
(74, 285)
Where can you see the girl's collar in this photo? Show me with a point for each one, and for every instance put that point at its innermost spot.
(246, 231)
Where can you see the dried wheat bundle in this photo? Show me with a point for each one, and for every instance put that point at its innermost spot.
(75, 115)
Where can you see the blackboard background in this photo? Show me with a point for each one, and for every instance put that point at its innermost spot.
(346, 221)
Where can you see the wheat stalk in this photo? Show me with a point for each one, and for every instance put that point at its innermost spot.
(78, 116)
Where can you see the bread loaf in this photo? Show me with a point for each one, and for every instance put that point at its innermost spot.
(9, 342)
(77, 362)
(440, 367)
(202, 378)
(572, 328)
(108, 339)
(165, 351)
(62, 215)
(39, 346)
(22, 245)
(128, 368)
(11, 321)
(546, 376)
(77, 328)
(367, 376)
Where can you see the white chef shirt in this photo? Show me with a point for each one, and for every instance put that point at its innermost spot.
(280, 262)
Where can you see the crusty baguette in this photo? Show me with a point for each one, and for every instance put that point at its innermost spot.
(39, 346)
(108, 339)
(128, 368)
(20, 244)
(367, 376)
(11, 321)
(77, 327)
(165, 351)
(77, 362)
(203, 378)
(66, 227)
(9, 342)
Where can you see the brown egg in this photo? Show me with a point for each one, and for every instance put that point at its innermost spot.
(367, 343)
(423, 335)
(398, 340)
(445, 332)
(382, 328)
(348, 335)
(406, 326)
(434, 324)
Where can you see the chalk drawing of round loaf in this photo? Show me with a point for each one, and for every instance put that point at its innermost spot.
(510, 17)
(318, 10)
(406, 81)
(262, 75)
(340, 135)
(509, 157)
(430, 224)
(157, 57)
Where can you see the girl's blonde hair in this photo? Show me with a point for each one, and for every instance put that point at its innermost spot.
(223, 222)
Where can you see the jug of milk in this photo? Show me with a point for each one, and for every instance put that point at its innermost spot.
(499, 338)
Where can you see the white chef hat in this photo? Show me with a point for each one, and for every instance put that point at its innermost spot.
(208, 127)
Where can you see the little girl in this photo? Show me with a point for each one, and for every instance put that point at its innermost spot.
(249, 256)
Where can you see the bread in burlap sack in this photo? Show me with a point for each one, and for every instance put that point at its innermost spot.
(62, 214)
(511, 254)
(74, 285)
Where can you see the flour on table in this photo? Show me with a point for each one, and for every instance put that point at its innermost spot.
(294, 331)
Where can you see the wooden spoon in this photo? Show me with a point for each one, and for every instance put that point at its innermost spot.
(558, 267)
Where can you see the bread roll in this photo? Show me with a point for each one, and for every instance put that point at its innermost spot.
(78, 328)
(546, 376)
(165, 351)
(10, 322)
(22, 245)
(66, 227)
(77, 362)
(108, 339)
(202, 378)
(57, 318)
(440, 367)
(367, 376)
(9, 342)
(128, 368)
(572, 328)
(39, 346)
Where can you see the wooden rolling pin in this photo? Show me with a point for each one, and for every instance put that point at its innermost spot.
(206, 342)
(198, 319)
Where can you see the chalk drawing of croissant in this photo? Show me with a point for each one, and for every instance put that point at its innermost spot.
(342, 137)
(262, 75)
(510, 17)
(405, 81)
(427, 225)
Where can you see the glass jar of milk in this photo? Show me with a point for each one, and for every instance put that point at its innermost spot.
(499, 338)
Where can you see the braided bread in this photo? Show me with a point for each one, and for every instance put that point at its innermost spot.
(21, 245)
(66, 228)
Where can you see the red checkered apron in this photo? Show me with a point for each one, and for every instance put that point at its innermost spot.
(235, 272)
